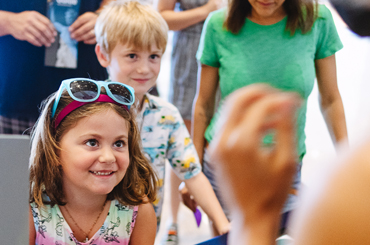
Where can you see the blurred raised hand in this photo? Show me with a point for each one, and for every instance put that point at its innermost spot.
(256, 179)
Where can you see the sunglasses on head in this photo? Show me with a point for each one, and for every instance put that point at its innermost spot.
(88, 90)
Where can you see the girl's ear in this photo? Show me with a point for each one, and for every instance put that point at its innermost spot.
(102, 57)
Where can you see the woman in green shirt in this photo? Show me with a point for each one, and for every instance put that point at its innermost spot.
(283, 43)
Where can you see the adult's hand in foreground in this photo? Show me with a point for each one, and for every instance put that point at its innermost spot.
(256, 179)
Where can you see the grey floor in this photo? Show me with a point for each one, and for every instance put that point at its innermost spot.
(353, 69)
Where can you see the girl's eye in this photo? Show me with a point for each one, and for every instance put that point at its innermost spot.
(119, 143)
(92, 142)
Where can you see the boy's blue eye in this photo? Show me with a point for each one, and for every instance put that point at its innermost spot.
(132, 56)
(92, 142)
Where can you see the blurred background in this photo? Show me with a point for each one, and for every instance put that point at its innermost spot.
(353, 70)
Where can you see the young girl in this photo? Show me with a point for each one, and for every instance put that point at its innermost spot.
(83, 144)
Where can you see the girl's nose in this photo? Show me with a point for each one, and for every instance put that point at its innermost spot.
(107, 155)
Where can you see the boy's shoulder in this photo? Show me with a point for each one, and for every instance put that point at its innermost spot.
(160, 104)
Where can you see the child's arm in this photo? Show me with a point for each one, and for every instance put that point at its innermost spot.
(145, 226)
(31, 227)
(184, 160)
(204, 195)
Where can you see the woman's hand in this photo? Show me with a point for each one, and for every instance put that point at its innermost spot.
(213, 5)
(30, 26)
(83, 28)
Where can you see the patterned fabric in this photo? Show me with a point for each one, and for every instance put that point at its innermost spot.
(15, 126)
(165, 137)
(184, 66)
(51, 227)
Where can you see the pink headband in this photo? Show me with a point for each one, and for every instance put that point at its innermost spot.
(76, 104)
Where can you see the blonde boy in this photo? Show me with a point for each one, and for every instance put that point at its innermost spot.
(131, 39)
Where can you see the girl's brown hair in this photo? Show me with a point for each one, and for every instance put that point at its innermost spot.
(137, 186)
(301, 15)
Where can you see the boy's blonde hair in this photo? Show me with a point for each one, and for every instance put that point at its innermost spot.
(130, 23)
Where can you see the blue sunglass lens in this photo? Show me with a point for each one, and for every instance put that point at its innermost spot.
(84, 90)
(121, 93)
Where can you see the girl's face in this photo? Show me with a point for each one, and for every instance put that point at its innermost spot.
(94, 154)
(267, 9)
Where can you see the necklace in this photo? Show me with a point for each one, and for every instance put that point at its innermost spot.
(96, 220)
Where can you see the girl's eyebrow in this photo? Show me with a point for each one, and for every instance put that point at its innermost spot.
(98, 136)
(124, 136)
(93, 135)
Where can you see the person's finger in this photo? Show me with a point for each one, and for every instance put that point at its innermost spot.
(41, 33)
(86, 36)
(39, 27)
(84, 32)
(83, 25)
(33, 40)
(36, 36)
(91, 41)
(48, 27)
(80, 21)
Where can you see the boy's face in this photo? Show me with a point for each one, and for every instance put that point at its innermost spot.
(134, 67)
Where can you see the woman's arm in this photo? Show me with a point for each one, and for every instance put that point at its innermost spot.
(204, 104)
(180, 20)
(31, 229)
(330, 99)
(145, 226)
(202, 191)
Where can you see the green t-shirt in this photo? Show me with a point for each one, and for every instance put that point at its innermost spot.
(267, 54)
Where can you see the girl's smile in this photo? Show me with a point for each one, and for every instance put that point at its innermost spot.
(102, 173)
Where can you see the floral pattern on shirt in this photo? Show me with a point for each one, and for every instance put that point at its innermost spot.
(165, 137)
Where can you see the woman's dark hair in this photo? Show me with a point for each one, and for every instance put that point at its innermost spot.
(301, 15)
